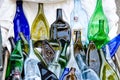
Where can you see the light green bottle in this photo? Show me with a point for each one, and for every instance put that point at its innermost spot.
(93, 26)
(100, 38)
(40, 27)
(106, 72)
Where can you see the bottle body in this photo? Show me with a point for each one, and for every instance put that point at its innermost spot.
(93, 26)
(106, 71)
(31, 69)
(40, 26)
(20, 23)
(1, 58)
(60, 29)
(92, 58)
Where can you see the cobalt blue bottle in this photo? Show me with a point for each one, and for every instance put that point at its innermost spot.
(20, 22)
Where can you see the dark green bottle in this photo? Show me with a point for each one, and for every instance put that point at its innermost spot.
(92, 58)
(93, 26)
(15, 63)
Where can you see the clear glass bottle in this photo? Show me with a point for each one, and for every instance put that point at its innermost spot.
(92, 58)
(11, 40)
(100, 38)
(79, 21)
(20, 22)
(93, 26)
(60, 29)
(55, 66)
(31, 69)
(87, 73)
(40, 26)
(1, 58)
(106, 71)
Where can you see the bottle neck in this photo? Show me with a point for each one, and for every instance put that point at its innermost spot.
(102, 55)
(99, 5)
(78, 36)
(59, 14)
(11, 39)
(40, 8)
(80, 62)
(19, 6)
(101, 25)
(77, 4)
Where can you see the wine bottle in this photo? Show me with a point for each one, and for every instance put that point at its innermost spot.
(11, 40)
(46, 74)
(60, 29)
(15, 62)
(1, 58)
(106, 71)
(87, 73)
(79, 21)
(78, 45)
(71, 75)
(63, 60)
(93, 26)
(40, 26)
(92, 58)
(55, 66)
(20, 22)
(109, 59)
(47, 52)
(65, 72)
(31, 69)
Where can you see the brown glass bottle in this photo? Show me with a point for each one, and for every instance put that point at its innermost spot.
(92, 58)
(60, 29)
(71, 75)
(78, 47)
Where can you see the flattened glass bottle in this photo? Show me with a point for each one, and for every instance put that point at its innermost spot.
(40, 26)
(20, 22)
(87, 73)
(55, 66)
(92, 58)
(100, 38)
(15, 62)
(31, 69)
(78, 47)
(106, 71)
(79, 21)
(93, 26)
(60, 29)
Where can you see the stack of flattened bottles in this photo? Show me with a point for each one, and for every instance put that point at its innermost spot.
(79, 51)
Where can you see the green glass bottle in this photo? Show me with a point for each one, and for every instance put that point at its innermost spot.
(63, 60)
(40, 26)
(15, 62)
(92, 58)
(100, 38)
(106, 71)
(93, 26)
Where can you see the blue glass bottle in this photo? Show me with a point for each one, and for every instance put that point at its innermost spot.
(20, 22)
(65, 72)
